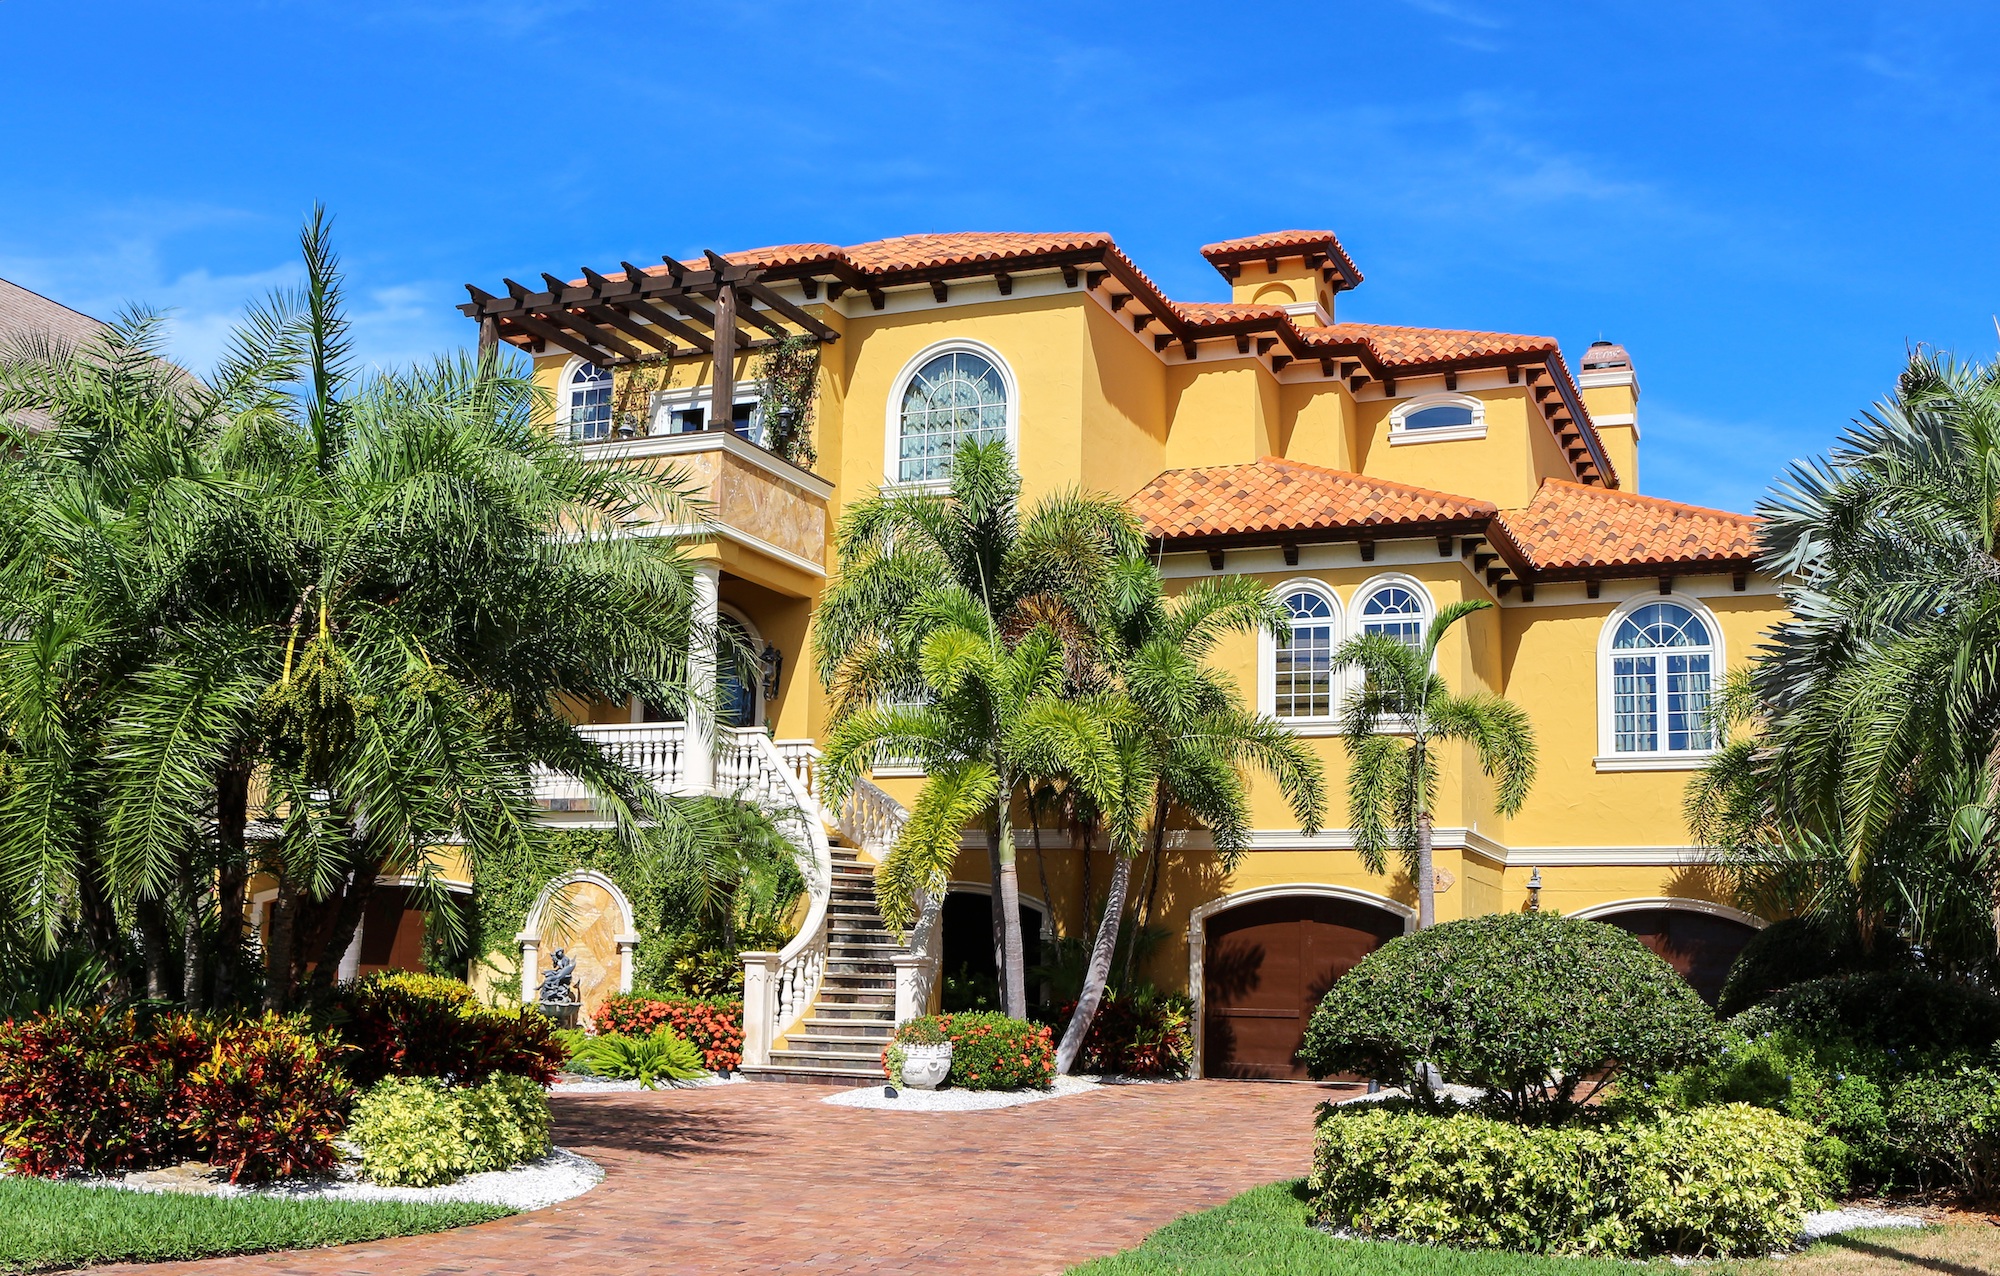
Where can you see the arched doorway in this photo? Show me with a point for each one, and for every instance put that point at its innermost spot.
(1700, 940)
(1261, 961)
(969, 976)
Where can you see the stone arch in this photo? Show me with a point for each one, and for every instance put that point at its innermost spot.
(601, 935)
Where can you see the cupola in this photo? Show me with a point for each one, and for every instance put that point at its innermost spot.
(1300, 270)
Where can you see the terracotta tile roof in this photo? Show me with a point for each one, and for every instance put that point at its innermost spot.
(1570, 529)
(1398, 346)
(1203, 314)
(1275, 495)
(915, 252)
(1230, 251)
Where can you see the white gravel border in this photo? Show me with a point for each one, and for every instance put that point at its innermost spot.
(573, 1083)
(1824, 1223)
(954, 1100)
(559, 1176)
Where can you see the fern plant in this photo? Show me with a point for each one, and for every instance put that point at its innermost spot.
(649, 1060)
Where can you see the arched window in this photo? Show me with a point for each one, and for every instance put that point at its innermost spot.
(1663, 663)
(1437, 417)
(1304, 665)
(1397, 611)
(588, 397)
(952, 397)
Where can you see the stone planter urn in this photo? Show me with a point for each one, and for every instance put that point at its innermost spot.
(925, 1067)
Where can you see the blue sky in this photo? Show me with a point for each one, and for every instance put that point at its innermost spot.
(1766, 202)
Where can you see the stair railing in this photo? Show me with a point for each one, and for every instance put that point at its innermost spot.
(778, 988)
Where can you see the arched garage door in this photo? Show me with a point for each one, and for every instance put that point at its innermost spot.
(1265, 967)
(1700, 946)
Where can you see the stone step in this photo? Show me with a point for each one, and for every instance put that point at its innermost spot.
(880, 1025)
(876, 948)
(850, 1043)
(870, 1060)
(842, 982)
(797, 1075)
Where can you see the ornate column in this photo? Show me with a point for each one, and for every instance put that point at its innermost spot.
(698, 766)
(760, 1007)
(626, 944)
(531, 960)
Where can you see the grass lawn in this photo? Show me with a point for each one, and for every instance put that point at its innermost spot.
(1264, 1231)
(46, 1224)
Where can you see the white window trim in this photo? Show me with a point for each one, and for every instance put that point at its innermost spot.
(662, 404)
(1398, 724)
(1399, 435)
(563, 396)
(892, 421)
(1608, 758)
(1267, 661)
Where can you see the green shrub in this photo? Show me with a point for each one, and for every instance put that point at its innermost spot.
(989, 1051)
(1722, 1181)
(650, 1059)
(1890, 1069)
(419, 1132)
(1915, 1020)
(1530, 1006)
(1794, 950)
(403, 1024)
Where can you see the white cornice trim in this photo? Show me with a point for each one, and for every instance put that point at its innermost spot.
(710, 441)
(711, 531)
(1684, 904)
(1608, 377)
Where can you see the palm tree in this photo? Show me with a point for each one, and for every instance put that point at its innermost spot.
(1183, 743)
(954, 599)
(1864, 795)
(1393, 723)
(369, 595)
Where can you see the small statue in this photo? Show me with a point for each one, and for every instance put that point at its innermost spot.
(557, 984)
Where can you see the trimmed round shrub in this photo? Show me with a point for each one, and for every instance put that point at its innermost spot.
(1529, 1006)
(714, 1027)
(404, 1024)
(419, 1132)
(989, 1051)
(1718, 1182)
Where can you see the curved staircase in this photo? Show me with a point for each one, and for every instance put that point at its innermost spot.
(841, 1037)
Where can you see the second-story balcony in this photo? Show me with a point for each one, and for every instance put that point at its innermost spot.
(770, 514)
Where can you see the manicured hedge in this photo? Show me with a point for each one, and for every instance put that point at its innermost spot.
(714, 1027)
(401, 1024)
(1721, 1181)
(1530, 1006)
(95, 1092)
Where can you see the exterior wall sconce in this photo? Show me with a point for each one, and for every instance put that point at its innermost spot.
(772, 663)
(1535, 890)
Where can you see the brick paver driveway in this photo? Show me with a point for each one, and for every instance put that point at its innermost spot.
(766, 1178)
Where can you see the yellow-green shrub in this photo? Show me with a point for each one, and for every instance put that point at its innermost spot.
(1727, 1180)
(418, 1132)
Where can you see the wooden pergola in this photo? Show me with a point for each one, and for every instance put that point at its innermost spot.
(715, 313)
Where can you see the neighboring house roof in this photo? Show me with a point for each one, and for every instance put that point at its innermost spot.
(1218, 503)
(23, 313)
(1570, 531)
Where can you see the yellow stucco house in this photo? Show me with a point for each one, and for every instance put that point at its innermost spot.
(1367, 474)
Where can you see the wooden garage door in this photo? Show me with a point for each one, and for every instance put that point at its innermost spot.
(1700, 946)
(1267, 965)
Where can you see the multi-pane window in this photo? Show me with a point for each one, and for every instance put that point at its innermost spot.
(1442, 417)
(1305, 664)
(1397, 612)
(1662, 666)
(952, 398)
(589, 402)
